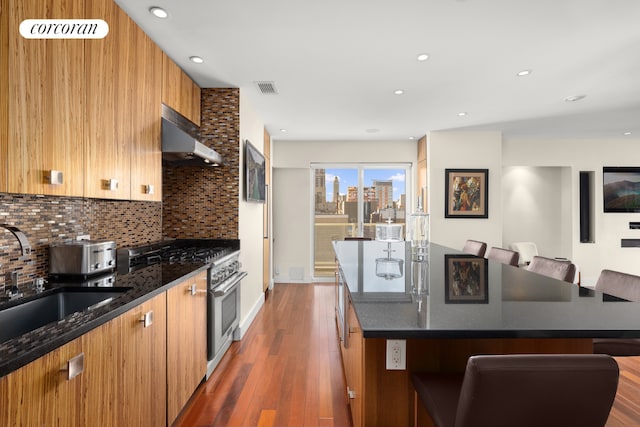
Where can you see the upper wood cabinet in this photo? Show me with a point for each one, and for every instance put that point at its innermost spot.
(179, 91)
(4, 90)
(44, 94)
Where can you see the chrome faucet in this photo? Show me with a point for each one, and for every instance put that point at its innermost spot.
(22, 238)
(14, 292)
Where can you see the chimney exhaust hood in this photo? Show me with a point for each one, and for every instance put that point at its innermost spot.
(179, 145)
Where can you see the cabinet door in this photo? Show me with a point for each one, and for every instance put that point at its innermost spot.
(186, 341)
(179, 91)
(111, 99)
(103, 362)
(146, 143)
(40, 393)
(45, 103)
(354, 367)
(143, 398)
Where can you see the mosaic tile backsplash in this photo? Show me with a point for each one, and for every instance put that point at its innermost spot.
(50, 219)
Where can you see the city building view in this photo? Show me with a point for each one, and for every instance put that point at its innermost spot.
(348, 203)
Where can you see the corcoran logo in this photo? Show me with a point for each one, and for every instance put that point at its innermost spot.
(64, 28)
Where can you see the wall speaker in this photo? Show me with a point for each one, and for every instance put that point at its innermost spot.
(586, 207)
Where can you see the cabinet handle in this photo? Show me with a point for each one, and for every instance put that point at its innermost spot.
(110, 184)
(193, 290)
(74, 366)
(54, 177)
(147, 319)
(148, 189)
(351, 393)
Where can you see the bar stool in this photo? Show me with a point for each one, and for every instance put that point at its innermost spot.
(551, 390)
(475, 247)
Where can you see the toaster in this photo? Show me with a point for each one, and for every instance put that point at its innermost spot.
(83, 258)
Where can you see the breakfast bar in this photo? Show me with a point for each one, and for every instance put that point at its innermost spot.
(446, 308)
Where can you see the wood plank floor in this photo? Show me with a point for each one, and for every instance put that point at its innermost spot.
(287, 371)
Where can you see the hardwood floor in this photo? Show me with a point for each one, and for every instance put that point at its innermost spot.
(287, 371)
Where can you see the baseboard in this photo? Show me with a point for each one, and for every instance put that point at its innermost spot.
(246, 323)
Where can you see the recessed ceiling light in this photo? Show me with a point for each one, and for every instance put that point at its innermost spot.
(523, 73)
(372, 130)
(627, 133)
(398, 91)
(158, 12)
(283, 130)
(462, 113)
(422, 57)
(575, 98)
(196, 59)
(412, 138)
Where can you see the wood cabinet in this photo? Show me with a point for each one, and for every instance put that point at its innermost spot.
(186, 341)
(4, 90)
(41, 394)
(179, 91)
(124, 82)
(142, 397)
(44, 93)
(353, 361)
(89, 109)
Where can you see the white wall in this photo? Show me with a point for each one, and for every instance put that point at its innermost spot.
(473, 150)
(587, 155)
(537, 208)
(292, 207)
(250, 222)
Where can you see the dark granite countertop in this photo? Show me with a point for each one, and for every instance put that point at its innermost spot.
(462, 296)
(144, 283)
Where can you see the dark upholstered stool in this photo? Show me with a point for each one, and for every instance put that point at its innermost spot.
(475, 247)
(550, 390)
(625, 286)
(561, 270)
(504, 256)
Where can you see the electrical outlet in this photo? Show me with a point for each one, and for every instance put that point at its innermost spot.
(396, 355)
(83, 237)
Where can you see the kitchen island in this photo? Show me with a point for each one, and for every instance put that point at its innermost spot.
(462, 305)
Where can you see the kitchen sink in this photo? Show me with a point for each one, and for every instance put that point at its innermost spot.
(50, 307)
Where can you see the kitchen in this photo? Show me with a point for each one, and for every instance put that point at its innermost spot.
(212, 196)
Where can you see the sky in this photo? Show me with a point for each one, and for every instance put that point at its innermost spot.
(349, 177)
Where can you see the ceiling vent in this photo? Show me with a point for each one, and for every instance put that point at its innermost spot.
(267, 88)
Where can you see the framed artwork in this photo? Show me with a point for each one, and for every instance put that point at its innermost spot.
(466, 193)
(466, 279)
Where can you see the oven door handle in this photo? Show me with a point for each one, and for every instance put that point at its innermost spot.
(233, 281)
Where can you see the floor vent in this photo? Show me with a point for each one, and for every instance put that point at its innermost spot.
(267, 88)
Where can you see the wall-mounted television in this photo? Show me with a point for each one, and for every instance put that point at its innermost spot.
(621, 189)
(254, 170)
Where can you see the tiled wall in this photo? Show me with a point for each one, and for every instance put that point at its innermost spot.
(203, 202)
(49, 219)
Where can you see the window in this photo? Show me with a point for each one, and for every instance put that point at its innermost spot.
(349, 200)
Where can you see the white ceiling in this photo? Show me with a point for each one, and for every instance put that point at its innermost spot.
(336, 63)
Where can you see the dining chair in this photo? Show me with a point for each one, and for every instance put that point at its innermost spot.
(527, 251)
(525, 390)
(625, 286)
(504, 256)
(475, 247)
(558, 269)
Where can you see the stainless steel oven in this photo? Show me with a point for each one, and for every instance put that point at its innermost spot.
(223, 307)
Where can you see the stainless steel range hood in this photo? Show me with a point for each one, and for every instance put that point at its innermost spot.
(179, 144)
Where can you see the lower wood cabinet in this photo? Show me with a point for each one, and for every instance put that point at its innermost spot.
(353, 361)
(142, 399)
(114, 375)
(186, 341)
(42, 394)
